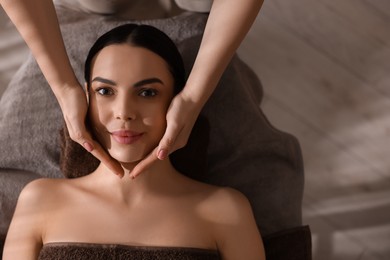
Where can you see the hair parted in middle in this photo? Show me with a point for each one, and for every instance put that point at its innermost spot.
(191, 160)
(144, 36)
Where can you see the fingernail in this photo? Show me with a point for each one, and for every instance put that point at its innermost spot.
(161, 154)
(88, 146)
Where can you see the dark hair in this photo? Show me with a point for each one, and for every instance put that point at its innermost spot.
(75, 161)
(144, 36)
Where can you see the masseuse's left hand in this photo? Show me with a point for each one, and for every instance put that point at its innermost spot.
(181, 116)
(218, 45)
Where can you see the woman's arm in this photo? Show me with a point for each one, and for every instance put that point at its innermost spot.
(37, 22)
(228, 23)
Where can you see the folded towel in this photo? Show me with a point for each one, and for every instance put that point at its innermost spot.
(84, 251)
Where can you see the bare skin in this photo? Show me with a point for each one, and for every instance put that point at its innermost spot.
(158, 209)
(228, 23)
(161, 207)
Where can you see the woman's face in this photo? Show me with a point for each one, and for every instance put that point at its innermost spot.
(131, 89)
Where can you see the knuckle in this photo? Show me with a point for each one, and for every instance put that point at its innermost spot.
(76, 136)
(168, 142)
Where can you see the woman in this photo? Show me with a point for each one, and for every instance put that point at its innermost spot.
(132, 73)
(37, 23)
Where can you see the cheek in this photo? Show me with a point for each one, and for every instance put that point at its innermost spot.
(155, 119)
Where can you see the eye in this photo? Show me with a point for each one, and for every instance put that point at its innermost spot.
(105, 91)
(148, 92)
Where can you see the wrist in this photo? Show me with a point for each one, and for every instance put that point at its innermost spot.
(194, 101)
(62, 88)
(67, 93)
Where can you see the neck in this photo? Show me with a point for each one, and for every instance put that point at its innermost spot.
(157, 179)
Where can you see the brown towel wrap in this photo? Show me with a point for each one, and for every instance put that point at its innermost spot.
(84, 251)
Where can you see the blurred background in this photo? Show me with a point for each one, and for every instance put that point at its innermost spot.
(325, 69)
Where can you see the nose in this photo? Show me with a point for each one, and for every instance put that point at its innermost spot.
(125, 109)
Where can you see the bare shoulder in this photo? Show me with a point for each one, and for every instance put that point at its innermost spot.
(30, 217)
(34, 199)
(230, 197)
(233, 225)
(41, 191)
(42, 186)
(215, 203)
(227, 205)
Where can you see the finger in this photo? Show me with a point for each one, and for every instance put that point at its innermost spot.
(84, 139)
(144, 164)
(107, 160)
(79, 134)
(168, 141)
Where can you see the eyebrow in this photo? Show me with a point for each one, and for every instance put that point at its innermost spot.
(136, 85)
(148, 81)
(103, 80)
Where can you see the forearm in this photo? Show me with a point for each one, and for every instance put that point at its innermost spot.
(228, 23)
(37, 23)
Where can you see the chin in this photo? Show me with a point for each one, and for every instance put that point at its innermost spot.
(126, 159)
(128, 156)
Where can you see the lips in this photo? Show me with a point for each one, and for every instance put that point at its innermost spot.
(126, 136)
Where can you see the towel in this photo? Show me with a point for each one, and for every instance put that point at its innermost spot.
(84, 251)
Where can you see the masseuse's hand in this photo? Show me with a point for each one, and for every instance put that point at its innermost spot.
(181, 116)
(74, 107)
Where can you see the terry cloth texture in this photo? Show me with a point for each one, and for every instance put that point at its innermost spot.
(79, 251)
(290, 244)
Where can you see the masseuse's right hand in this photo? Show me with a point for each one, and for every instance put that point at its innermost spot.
(38, 25)
(74, 107)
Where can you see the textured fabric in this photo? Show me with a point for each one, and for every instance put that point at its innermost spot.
(290, 244)
(134, 9)
(112, 6)
(245, 152)
(195, 5)
(79, 251)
